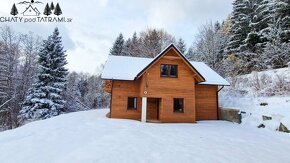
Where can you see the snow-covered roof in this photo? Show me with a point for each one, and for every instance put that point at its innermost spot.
(124, 68)
(127, 68)
(211, 77)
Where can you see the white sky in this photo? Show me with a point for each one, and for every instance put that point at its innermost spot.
(97, 23)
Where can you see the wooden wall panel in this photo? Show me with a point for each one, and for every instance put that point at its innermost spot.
(206, 102)
(168, 88)
(197, 106)
(120, 93)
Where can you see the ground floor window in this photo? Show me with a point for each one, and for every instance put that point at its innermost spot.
(132, 103)
(178, 105)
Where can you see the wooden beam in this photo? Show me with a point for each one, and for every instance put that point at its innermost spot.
(144, 109)
(171, 57)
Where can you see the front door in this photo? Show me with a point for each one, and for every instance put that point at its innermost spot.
(152, 109)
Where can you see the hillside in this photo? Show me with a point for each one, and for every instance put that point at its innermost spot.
(89, 136)
(260, 93)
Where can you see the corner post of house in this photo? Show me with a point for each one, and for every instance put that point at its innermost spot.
(144, 109)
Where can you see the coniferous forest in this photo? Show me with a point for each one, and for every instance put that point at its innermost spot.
(254, 37)
(34, 83)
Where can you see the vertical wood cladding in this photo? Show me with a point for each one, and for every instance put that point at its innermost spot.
(206, 102)
(199, 100)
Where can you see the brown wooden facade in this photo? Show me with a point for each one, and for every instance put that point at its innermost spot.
(199, 101)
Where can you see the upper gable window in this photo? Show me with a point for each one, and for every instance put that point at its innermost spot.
(168, 71)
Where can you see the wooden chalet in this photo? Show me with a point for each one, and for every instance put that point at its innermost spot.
(167, 88)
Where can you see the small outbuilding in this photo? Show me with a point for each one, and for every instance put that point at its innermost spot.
(167, 88)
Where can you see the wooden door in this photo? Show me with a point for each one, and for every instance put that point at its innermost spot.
(152, 108)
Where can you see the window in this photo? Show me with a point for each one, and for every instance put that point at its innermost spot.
(178, 105)
(132, 103)
(173, 71)
(168, 70)
(164, 70)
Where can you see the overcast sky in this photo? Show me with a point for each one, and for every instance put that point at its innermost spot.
(97, 23)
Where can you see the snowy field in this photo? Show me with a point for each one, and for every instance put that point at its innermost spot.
(86, 137)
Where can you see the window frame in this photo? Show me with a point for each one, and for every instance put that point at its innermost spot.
(177, 111)
(169, 70)
(135, 103)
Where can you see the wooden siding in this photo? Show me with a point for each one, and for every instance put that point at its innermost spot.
(168, 88)
(120, 93)
(206, 102)
(108, 86)
(200, 101)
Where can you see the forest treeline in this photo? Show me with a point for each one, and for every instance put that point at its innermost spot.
(255, 37)
(25, 77)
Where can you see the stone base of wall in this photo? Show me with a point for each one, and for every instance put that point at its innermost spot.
(230, 114)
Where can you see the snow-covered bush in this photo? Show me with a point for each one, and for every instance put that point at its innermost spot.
(260, 84)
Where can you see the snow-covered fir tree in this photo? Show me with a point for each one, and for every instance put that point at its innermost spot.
(251, 50)
(135, 46)
(73, 95)
(239, 28)
(282, 16)
(189, 54)
(126, 51)
(45, 99)
(250, 25)
(277, 53)
(118, 45)
(260, 19)
(181, 45)
(249, 32)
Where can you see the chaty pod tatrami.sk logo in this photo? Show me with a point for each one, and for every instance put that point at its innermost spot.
(35, 11)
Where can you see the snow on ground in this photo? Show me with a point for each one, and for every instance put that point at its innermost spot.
(247, 92)
(278, 108)
(89, 136)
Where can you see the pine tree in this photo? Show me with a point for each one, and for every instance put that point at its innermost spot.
(135, 38)
(249, 32)
(282, 16)
(127, 48)
(45, 99)
(118, 45)
(52, 6)
(57, 10)
(47, 10)
(239, 28)
(135, 46)
(14, 10)
(259, 23)
(276, 53)
(189, 54)
(181, 46)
